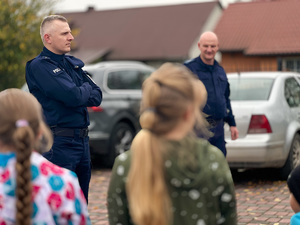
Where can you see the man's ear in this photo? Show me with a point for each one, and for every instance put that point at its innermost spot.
(47, 38)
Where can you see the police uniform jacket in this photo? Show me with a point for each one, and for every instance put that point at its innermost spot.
(214, 78)
(62, 88)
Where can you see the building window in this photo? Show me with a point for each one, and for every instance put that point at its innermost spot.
(291, 64)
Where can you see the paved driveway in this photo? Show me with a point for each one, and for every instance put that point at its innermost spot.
(262, 198)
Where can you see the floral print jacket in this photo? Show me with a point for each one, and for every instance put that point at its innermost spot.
(56, 194)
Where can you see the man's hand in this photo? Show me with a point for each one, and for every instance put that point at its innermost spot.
(234, 133)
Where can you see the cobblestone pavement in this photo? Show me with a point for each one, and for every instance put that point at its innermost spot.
(262, 198)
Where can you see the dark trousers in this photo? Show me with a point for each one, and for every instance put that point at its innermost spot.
(73, 153)
(218, 140)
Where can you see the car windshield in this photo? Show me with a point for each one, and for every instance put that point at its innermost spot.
(250, 89)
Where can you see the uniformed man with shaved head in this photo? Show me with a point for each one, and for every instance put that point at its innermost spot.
(213, 76)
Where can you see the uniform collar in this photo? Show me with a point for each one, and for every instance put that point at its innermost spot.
(53, 56)
(204, 65)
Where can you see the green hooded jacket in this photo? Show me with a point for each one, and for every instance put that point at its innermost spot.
(198, 179)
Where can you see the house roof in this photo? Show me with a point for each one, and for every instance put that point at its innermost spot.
(260, 27)
(139, 33)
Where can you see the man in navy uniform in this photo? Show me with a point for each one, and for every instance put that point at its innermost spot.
(213, 76)
(64, 91)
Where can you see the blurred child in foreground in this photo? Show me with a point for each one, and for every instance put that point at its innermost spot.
(170, 177)
(294, 187)
(32, 189)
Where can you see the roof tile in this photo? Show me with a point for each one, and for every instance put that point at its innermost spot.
(260, 27)
(141, 33)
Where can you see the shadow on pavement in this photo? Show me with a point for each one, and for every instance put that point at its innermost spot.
(256, 175)
(98, 162)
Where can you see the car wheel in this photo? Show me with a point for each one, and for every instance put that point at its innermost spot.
(120, 141)
(293, 158)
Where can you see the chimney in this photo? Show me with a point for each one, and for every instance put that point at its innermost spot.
(90, 9)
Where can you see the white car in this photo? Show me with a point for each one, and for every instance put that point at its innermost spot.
(266, 106)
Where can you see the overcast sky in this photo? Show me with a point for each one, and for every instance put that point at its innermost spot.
(82, 5)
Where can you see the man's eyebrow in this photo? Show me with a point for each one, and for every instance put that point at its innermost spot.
(66, 32)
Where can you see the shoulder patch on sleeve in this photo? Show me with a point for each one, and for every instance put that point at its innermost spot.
(57, 70)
